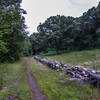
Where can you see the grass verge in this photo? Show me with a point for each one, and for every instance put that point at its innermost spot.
(14, 82)
(55, 85)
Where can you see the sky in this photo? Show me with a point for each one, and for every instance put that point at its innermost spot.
(39, 10)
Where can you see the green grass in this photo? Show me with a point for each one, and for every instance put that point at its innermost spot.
(53, 84)
(9, 73)
(56, 86)
(87, 58)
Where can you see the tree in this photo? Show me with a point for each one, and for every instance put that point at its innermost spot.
(38, 42)
(69, 33)
(54, 27)
(12, 29)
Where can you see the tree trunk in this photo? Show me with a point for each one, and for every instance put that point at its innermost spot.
(57, 51)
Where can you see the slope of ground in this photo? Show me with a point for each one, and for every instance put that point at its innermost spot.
(55, 85)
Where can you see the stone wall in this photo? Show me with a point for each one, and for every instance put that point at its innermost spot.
(78, 73)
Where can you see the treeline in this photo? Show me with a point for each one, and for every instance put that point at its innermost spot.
(13, 36)
(68, 33)
(56, 33)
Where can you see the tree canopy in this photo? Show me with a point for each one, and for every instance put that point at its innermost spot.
(68, 33)
(12, 29)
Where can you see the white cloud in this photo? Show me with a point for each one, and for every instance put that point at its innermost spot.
(39, 10)
(84, 2)
(78, 7)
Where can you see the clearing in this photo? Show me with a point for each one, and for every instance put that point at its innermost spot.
(25, 79)
(55, 84)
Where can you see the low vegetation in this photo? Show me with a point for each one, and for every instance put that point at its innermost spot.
(86, 58)
(13, 82)
(55, 84)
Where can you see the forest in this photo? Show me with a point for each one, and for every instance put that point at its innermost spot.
(56, 33)
(12, 30)
(68, 33)
(64, 40)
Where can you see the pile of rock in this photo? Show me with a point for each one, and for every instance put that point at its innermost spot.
(52, 63)
(78, 73)
(84, 74)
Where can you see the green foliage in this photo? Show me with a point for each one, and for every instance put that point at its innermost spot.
(38, 42)
(27, 48)
(54, 28)
(12, 30)
(23, 94)
(69, 33)
(3, 95)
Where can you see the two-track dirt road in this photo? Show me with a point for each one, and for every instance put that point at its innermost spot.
(37, 95)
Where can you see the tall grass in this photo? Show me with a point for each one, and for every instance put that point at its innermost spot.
(56, 86)
(14, 82)
(87, 58)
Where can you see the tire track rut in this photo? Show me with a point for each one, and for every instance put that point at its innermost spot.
(33, 84)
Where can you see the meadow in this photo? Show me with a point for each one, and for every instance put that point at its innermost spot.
(55, 84)
(13, 82)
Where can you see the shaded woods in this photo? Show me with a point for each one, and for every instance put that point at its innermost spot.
(12, 30)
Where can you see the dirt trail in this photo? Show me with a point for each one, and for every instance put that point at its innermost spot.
(33, 84)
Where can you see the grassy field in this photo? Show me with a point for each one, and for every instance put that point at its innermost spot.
(87, 58)
(53, 84)
(56, 86)
(13, 81)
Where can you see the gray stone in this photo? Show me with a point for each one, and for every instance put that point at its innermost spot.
(79, 73)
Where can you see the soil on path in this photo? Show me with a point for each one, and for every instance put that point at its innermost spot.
(33, 84)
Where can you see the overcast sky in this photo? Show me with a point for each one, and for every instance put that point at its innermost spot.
(39, 10)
